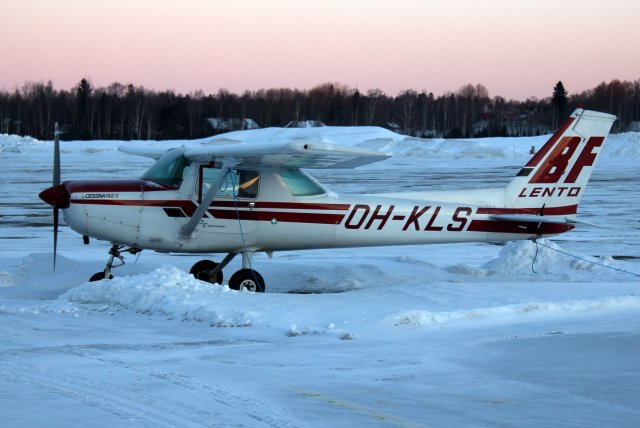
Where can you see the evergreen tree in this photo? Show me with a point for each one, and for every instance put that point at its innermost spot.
(559, 102)
(83, 94)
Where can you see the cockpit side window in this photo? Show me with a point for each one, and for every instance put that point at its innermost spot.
(169, 169)
(237, 183)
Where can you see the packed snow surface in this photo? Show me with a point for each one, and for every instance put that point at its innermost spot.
(521, 334)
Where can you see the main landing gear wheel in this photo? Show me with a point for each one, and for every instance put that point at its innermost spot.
(202, 270)
(99, 276)
(248, 279)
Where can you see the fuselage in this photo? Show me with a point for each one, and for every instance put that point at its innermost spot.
(286, 210)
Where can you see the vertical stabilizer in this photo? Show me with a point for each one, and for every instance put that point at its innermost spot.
(553, 181)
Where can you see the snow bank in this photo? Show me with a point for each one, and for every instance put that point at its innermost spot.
(175, 295)
(166, 291)
(30, 277)
(547, 260)
(511, 313)
(618, 146)
(480, 148)
(622, 146)
(16, 143)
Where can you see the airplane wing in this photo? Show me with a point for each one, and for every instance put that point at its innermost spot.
(296, 154)
(282, 147)
(146, 151)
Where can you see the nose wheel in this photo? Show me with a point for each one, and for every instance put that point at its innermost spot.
(99, 276)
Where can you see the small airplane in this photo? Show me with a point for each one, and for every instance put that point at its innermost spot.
(234, 195)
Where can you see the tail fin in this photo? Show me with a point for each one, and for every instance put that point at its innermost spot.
(553, 181)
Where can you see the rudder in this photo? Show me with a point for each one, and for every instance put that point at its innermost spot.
(554, 179)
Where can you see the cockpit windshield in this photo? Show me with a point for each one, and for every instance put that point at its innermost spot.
(169, 169)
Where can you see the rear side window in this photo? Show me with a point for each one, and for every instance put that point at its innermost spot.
(241, 183)
(300, 184)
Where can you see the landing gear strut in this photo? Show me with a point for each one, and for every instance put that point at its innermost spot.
(245, 278)
(114, 253)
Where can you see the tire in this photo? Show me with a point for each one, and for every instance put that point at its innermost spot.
(248, 279)
(99, 276)
(201, 270)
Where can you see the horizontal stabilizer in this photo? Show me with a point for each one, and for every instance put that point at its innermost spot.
(539, 219)
(529, 218)
(576, 221)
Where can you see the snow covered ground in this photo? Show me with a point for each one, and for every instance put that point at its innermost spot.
(442, 335)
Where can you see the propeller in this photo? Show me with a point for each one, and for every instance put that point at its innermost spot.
(57, 195)
(56, 182)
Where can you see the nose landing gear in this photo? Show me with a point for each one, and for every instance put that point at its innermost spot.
(114, 253)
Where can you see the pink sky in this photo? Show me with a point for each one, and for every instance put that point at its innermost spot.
(516, 48)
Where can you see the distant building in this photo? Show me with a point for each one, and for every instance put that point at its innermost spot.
(517, 124)
(480, 127)
(394, 126)
(305, 124)
(220, 124)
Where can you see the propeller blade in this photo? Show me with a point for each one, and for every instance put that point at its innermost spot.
(55, 236)
(56, 156)
(56, 182)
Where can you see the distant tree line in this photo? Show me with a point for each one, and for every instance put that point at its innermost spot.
(133, 112)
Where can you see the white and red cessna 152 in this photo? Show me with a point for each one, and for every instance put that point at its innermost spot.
(243, 198)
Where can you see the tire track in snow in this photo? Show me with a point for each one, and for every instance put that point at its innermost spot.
(118, 402)
(154, 411)
(252, 407)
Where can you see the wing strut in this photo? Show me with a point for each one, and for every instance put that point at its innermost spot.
(187, 229)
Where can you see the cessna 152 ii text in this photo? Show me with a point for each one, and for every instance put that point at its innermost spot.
(225, 197)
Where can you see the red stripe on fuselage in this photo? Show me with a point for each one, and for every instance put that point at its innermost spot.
(187, 206)
(114, 186)
(282, 205)
(189, 209)
(287, 217)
